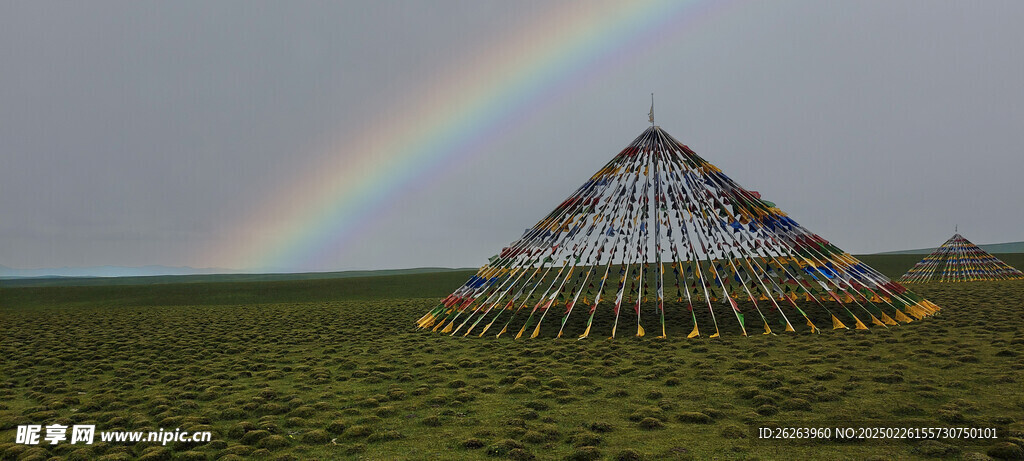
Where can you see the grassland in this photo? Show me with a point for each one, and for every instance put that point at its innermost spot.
(324, 369)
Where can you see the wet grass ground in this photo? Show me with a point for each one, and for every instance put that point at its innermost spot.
(343, 372)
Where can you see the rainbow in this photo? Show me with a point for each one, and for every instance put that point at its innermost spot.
(434, 127)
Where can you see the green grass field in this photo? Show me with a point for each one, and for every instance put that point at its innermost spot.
(334, 368)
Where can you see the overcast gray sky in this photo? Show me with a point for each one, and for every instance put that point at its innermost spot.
(136, 133)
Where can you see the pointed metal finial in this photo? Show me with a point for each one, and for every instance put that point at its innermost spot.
(650, 115)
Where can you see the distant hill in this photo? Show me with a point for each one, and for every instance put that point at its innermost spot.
(107, 271)
(44, 281)
(1009, 247)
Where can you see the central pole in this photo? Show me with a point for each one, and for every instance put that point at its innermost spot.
(650, 115)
